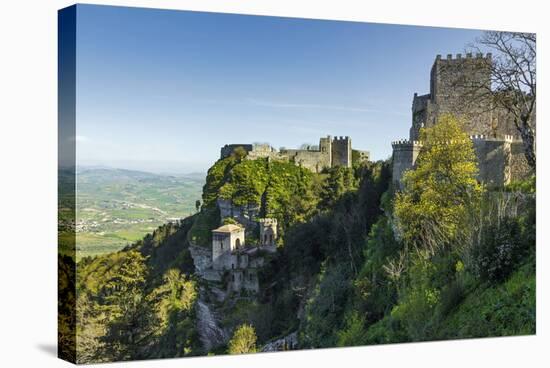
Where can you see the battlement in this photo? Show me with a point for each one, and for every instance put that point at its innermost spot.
(268, 221)
(331, 152)
(405, 143)
(482, 137)
(469, 55)
(341, 139)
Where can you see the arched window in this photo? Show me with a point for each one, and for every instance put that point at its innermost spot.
(238, 243)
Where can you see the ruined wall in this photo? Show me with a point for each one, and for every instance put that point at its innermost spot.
(268, 231)
(362, 156)
(228, 149)
(312, 160)
(244, 279)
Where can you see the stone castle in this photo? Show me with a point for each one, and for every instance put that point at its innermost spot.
(331, 152)
(241, 261)
(458, 86)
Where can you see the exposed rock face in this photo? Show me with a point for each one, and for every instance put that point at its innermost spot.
(289, 342)
(210, 334)
(245, 215)
(202, 259)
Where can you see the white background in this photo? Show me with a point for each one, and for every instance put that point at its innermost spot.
(28, 182)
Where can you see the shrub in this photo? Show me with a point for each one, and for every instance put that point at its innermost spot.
(499, 250)
(243, 340)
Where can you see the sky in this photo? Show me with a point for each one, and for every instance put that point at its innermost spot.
(162, 90)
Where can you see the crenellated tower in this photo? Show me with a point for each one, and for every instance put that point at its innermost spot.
(461, 86)
(341, 151)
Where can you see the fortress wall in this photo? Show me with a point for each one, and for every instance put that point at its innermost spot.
(312, 160)
(459, 88)
(455, 88)
(421, 111)
(228, 149)
(494, 160)
(452, 78)
(362, 156)
(520, 170)
(404, 157)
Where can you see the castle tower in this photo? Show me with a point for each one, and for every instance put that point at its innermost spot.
(341, 151)
(325, 146)
(458, 85)
(225, 240)
(268, 232)
(404, 157)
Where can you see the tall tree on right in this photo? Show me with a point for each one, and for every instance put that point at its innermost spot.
(513, 81)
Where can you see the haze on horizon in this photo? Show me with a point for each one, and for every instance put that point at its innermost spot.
(162, 91)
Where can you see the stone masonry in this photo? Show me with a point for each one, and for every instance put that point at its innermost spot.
(458, 86)
(239, 261)
(332, 152)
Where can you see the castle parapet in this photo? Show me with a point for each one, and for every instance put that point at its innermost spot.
(405, 144)
(469, 55)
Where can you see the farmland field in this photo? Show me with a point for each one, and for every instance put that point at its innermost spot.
(116, 207)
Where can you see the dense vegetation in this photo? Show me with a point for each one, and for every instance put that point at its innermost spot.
(358, 262)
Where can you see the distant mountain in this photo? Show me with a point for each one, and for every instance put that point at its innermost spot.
(108, 173)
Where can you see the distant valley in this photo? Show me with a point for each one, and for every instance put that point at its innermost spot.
(116, 207)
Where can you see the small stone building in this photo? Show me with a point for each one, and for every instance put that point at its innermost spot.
(225, 240)
(268, 233)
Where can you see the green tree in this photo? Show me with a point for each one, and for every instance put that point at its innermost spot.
(243, 340)
(440, 193)
(197, 205)
(339, 181)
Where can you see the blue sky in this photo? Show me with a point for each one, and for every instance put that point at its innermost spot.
(162, 90)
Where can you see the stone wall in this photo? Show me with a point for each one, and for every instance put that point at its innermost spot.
(223, 244)
(459, 86)
(520, 169)
(244, 279)
(341, 151)
(330, 153)
(309, 159)
(403, 158)
(494, 160)
(228, 149)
